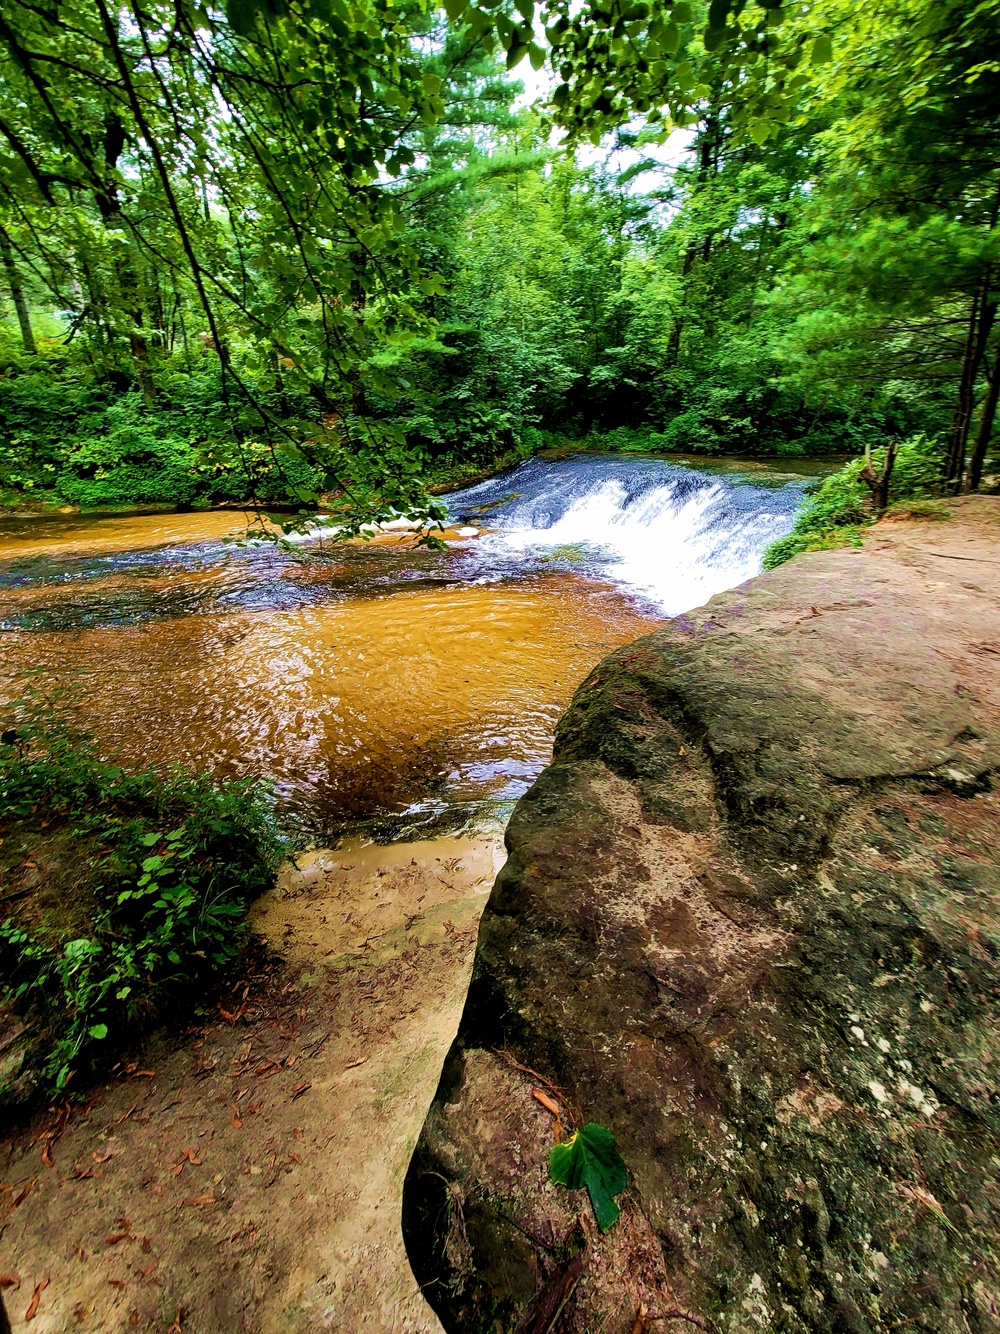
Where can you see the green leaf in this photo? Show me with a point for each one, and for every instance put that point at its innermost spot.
(682, 13)
(718, 12)
(760, 131)
(713, 38)
(590, 1158)
(148, 840)
(99, 1031)
(536, 55)
(670, 39)
(241, 15)
(822, 49)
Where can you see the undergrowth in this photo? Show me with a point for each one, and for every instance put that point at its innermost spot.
(121, 895)
(840, 506)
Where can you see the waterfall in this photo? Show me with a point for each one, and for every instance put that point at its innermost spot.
(669, 534)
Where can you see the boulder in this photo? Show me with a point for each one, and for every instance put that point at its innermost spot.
(750, 922)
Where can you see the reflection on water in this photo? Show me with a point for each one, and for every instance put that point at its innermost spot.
(379, 680)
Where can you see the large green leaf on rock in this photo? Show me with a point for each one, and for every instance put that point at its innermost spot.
(590, 1158)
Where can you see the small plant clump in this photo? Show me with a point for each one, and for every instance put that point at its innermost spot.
(121, 893)
(840, 506)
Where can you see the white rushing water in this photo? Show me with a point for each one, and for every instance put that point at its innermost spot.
(673, 535)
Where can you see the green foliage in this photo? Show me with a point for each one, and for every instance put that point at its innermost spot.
(284, 253)
(590, 1158)
(145, 884)
(840, 506)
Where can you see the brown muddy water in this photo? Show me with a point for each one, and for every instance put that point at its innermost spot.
(372, 682)
(362, 702)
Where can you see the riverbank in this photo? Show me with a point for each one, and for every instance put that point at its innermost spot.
(248, 1177)
(749, 923)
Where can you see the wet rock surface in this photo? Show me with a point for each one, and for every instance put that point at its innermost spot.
(750, 922)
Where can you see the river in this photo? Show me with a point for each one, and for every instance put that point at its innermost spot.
(399, 701)
(377, 683)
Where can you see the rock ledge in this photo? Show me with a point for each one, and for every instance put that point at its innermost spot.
(750, 922)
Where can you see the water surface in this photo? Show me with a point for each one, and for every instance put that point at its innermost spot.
(374, 682)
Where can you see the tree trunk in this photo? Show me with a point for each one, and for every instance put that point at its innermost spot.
(110, 209)
(21, 306)
(986, 421)
(878, 483)
(707, 162)
(963, 409)
(981, 320)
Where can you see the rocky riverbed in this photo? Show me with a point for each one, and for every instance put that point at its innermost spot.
(750, 922)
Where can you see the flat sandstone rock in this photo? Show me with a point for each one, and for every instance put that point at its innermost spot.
(750, 922)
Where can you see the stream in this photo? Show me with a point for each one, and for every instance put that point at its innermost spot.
(376, 684)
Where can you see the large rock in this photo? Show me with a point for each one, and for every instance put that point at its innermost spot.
(750, 922)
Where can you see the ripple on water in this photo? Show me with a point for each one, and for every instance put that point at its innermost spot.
(381, 680)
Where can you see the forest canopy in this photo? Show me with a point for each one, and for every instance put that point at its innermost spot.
(295, 251)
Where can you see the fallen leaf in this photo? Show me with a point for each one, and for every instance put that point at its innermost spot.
(9, 1281)
(299, 1089)
(546, 1101)
(188, 1156)
(590, 1158)
(36, 1296)
(114, 1238)
(175, 1328)
(354, 1064)
(102, 1157)
(925, 1198)
(47, 1154)
(118, 1283)
(200, 1199)
(23, 1193)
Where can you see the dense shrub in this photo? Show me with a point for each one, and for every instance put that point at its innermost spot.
(72, 435)
(134, 895)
